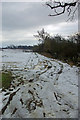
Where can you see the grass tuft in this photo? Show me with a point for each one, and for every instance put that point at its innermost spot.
(5, 79)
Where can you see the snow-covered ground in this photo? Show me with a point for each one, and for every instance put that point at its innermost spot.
(42, 87)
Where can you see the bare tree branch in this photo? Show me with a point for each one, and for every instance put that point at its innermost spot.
(64, 7)
(58, 13)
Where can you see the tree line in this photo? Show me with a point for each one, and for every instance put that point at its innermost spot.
(19, 47)
(59, 47)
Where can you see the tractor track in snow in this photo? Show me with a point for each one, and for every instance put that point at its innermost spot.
(38, 80)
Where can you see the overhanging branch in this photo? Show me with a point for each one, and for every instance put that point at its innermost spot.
(64, 6)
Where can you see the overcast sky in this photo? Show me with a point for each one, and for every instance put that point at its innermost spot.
(22, 20)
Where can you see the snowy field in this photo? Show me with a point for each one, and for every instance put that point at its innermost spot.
(42, 87)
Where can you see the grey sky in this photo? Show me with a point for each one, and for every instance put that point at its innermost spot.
(21, 20)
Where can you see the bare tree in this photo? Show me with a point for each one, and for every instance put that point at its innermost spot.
(42, 35)
(61, 7)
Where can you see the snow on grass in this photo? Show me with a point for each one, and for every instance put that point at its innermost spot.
(47, 88)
